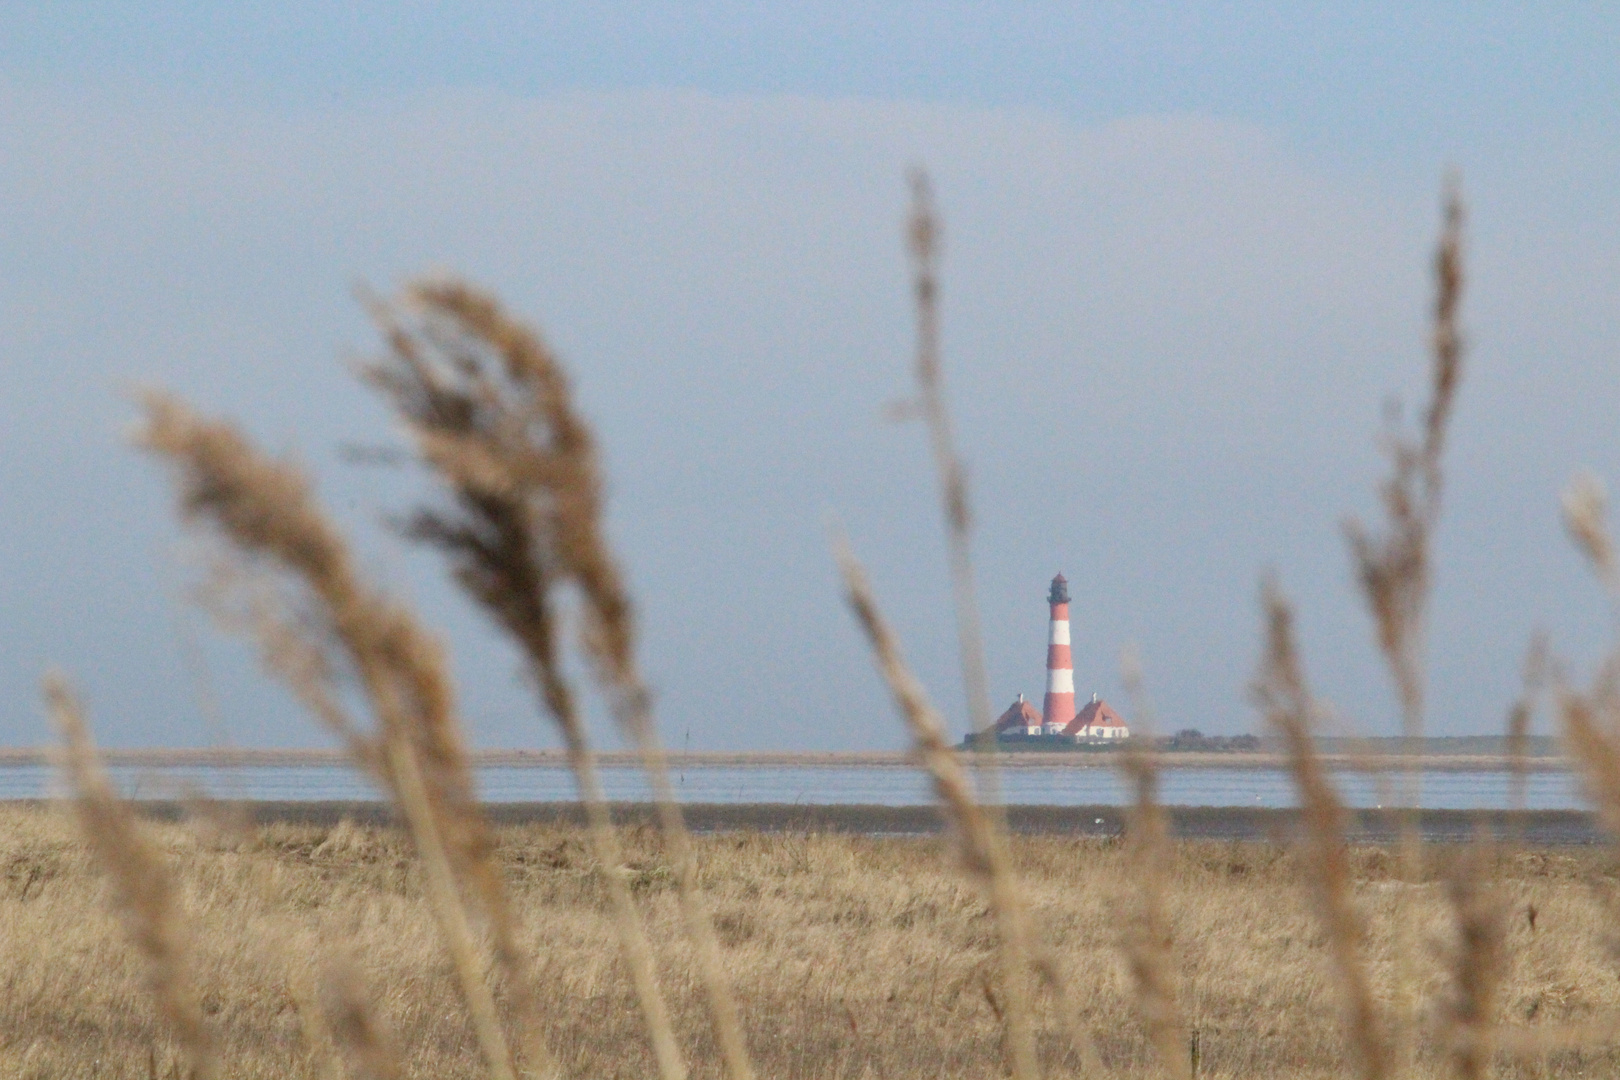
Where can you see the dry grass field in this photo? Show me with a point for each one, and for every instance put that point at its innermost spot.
(850, 956)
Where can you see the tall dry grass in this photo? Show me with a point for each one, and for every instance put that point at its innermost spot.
(318, 622)
(143, 890)
(490, 412)
(980, 848)
(1148, 937)
(1394, 569)
(975, 821)
(1290, 710)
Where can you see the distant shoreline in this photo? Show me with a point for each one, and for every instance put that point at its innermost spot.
(1376, 758)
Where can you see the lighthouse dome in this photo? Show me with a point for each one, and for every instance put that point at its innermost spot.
(1060, 590)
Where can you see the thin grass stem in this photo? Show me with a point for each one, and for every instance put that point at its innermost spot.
(1149, 937)
(979, 842)
(1289, 708)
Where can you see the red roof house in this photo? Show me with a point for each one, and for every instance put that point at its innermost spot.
(1097, 720)
(1021, 717)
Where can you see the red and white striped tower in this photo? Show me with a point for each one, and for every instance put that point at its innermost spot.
(1059, 706)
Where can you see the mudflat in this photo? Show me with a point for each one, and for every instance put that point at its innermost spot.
(1537, 828)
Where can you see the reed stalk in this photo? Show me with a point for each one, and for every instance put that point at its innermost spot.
(1394, 568)
(979, 843)
(317, 620)
(1521, 717)
(923, 236)
(1290, 710)
(1149, 938)
(142, 889)
(924, 243)
(491, 413)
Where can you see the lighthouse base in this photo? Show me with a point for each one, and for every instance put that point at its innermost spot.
(1019, 740)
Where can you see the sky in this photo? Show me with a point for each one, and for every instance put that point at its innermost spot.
(1186, 267)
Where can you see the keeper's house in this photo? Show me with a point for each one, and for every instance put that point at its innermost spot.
(1096, 722)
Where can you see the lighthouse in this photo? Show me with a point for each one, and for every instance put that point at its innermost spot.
(1058, 726)
(1058, 708)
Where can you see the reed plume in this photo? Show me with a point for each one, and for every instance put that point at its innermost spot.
(491, 413)
(1591, 718)
(979, 844)
(1586, 509)
(1522, 714)
(1284, 696)
(1394, 568)
(142, 889)
(1591, 723)
(317, 621)
(923, 234)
